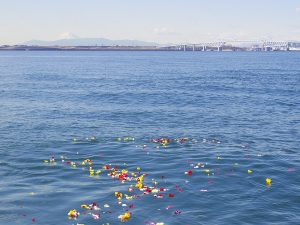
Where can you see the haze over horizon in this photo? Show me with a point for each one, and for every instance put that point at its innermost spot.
(168, 21)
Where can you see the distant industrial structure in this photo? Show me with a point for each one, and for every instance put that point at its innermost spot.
(237, 46)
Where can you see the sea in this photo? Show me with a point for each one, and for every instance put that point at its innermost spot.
(149, 138)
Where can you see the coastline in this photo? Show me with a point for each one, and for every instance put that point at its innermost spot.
(129, 48)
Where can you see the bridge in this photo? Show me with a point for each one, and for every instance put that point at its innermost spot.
(257, 45)
(275, 45)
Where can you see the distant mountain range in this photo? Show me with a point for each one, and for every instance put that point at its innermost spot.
(89, 42)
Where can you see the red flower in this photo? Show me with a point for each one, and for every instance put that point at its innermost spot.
(171, 195)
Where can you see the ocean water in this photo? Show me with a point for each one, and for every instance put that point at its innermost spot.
(239, 111)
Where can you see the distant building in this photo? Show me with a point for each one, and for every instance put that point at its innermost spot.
(294, 44)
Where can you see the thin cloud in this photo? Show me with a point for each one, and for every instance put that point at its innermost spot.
(298, 9)
(164, 31)
(67, 35)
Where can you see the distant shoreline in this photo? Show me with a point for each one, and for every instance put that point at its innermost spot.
(78, 48)
(130, 48)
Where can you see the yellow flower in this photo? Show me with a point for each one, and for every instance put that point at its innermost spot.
(92, 172)
(125, 217)
(85, 206)
(139, 185)
(268, 181)
(119, 195)
(128, 197)
(140, 179)
(155, 190)
(73, 213)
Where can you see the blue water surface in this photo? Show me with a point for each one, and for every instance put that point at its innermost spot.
(240, 111)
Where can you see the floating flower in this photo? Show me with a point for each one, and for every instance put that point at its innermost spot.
(52, 160)
(125, 139)
(95, 206)
(128, 197)
(73, 214)
(182, 140)
(140, 178)
(85, 206)
(125, 217)
(92, 172)
(139, 185)
(190, 172)
(155, 190)
(268, 181)
(119, 195)
(163, 141)
(96, 216)
(130, 189)
(177, 212)
(249, 171)
(159, 196)
(93, 138)
(106, 167)
(87, 161)
(128, 138)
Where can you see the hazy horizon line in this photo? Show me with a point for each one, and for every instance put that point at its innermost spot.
(254, 40)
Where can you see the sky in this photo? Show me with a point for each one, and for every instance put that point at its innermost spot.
(161, 21)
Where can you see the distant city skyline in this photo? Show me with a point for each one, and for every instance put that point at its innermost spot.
(161, 21)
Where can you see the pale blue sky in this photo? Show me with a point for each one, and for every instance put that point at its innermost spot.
(161, 21)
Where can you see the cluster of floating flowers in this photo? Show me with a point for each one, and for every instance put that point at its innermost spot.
(83, 140)
(125, 139)
(211, 141)
(166, 141)
(138, 186)
(92, 209)
(123, 175)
